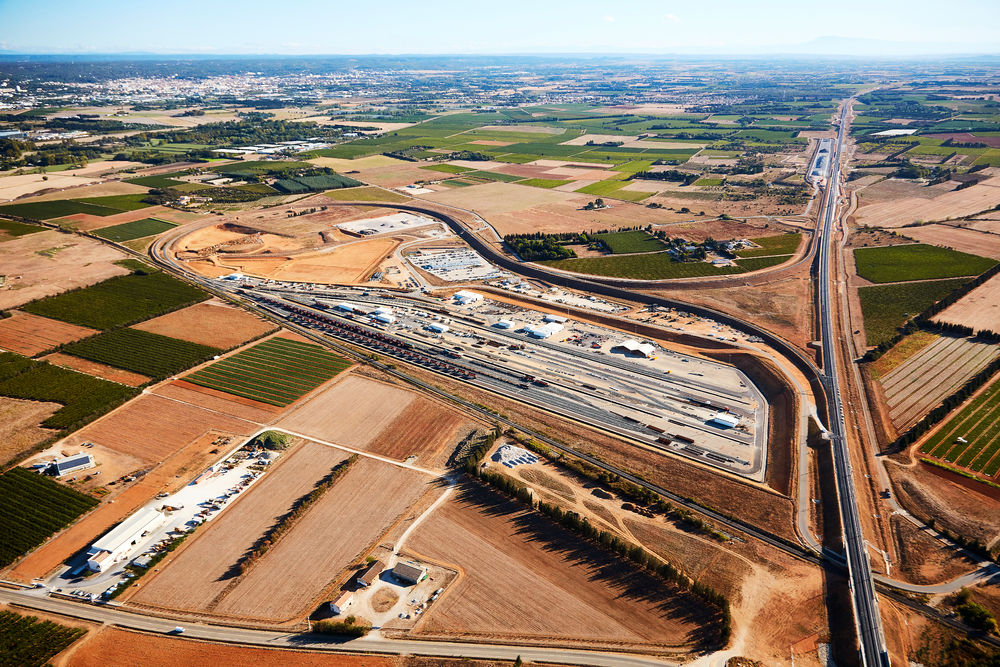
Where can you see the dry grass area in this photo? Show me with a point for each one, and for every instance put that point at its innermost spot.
(906, 209)
(13, 187)
(491, 199)
(364, 503)
(351, 412)
(979, 309)
(396, 175)
(963, 239)
(19, 425)
(29, 334)
(209, 323)
(51, 262)
(872, 237)
(424, 429)
(153, 427)
(503, 552)
(96, 369)
(922, 559)
(930, 375)
(108, 189)
(900, 352)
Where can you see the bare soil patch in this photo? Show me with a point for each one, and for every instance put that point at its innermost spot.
(351, 412)
(503, 551)
(424, 429)
(211, 399)
(924, 560)
(153, 427)
(954, 204)
(209, 323)
(97, 190)
(963, 239)
(347, 263)
(29, 334)
(493, 198)
(13, 187)
(979, 309)
(96, 369)
(19, 425)
(68, 262)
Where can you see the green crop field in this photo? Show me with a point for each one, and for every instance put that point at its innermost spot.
(366, 193)
(136, 229)
(708, 181)
(782, 244)
(629, 242)
(648, 266)
(47, 210)
(446, 168)
(278, 371)
(118, 301)
(613, 188)
(547, 183)
(160, 181)
(493, 176)
(978, 423)
(917, 262)
(149, 354)
(16, 229)
(32, 508)
(83, 397)
(888, 307)
(758, 263)
(27, 641)
(131, 202)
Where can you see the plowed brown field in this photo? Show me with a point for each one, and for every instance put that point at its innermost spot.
(954, 204)
(29, 334)
(96, 369)
(211, 399)
(349, 517)
(979, 309)
(209, 323)
(152, 427)
(957, 238)
(517, 569)
(423, 429)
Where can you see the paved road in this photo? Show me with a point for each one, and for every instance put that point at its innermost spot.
(370, 644)
(865, 601)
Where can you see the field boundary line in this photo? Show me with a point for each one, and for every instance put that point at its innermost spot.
(383, 459)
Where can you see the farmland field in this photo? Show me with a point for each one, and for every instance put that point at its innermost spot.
(931, 375)
(979, 309)
(83, 398)
(27, 641)
(278, 371)
(446, 168)
(978, 423)
(366, 193)
(649, 266)
(29, 334)
(630, 242)
(783, 244)
(119, 301)
(15, 229)
(547, 183)
(150, 354)
(159, 181)
(887, 307)
(208, 323)
(918, 261)
(32, 508)
(503, 551)
(46, 210)
(613, 188)
(137, 229)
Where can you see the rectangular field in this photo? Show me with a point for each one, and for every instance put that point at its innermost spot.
(14, 229)
(149, 354)
(978, 423)
(782, 244)
(29, 334)
(137, 229)
(918, 261)
(932, 374)
(209, 323)
(649, 266)
(517, 567)
(30, 642)
(888, 307)
(979, 309)
(630, 242)
(278, 371)
(32, 508)
(119, 301)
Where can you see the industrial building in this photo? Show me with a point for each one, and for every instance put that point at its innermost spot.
(544, 331)
(725, 419)
(368, 575)
(437, 328)
(342, 602)
(71, 464)
(408, 574)
(554, 318)
(504, 324)
(636, 348)
(464, 297)
(118, 544)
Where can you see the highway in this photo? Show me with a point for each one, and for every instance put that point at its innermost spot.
(865, 601)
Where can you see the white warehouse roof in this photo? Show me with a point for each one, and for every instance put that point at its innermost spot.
(126, 531)
(726, 419)
(464, 296)
(634, 346)
(554, 318)
(439, 328)
(503, 324)
(545, 330)
(345, 306)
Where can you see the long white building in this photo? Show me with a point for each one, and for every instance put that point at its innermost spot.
(118, 544)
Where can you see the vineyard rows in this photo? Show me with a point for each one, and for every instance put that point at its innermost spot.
(149, 354)
(978, 424)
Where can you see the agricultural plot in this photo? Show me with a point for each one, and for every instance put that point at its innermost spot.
(127, 202)
(32, 508)
(58, 208)
(29, 334)
(29, 642)
(16, 229)
(917, 261)
(978, 425)
(211, 323)
(782, 244)
(366, 193)
(547, 183)
(278, 371)
(136, 229)
(160, 181)
(979, 309)
(149, 354)
(119, 301)
(924, 380)
(613, 188)
(888, 307)
(630, 242)
(83, 398)
(446, 168)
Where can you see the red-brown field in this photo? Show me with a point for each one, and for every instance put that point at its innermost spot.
(516, 568)
(96, 369)
(29, 334)
(211, 399)
(423, 430)
(209, 323)
(152, 427)
(345, 522)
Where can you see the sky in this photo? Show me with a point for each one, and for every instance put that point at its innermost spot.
(315, 27)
